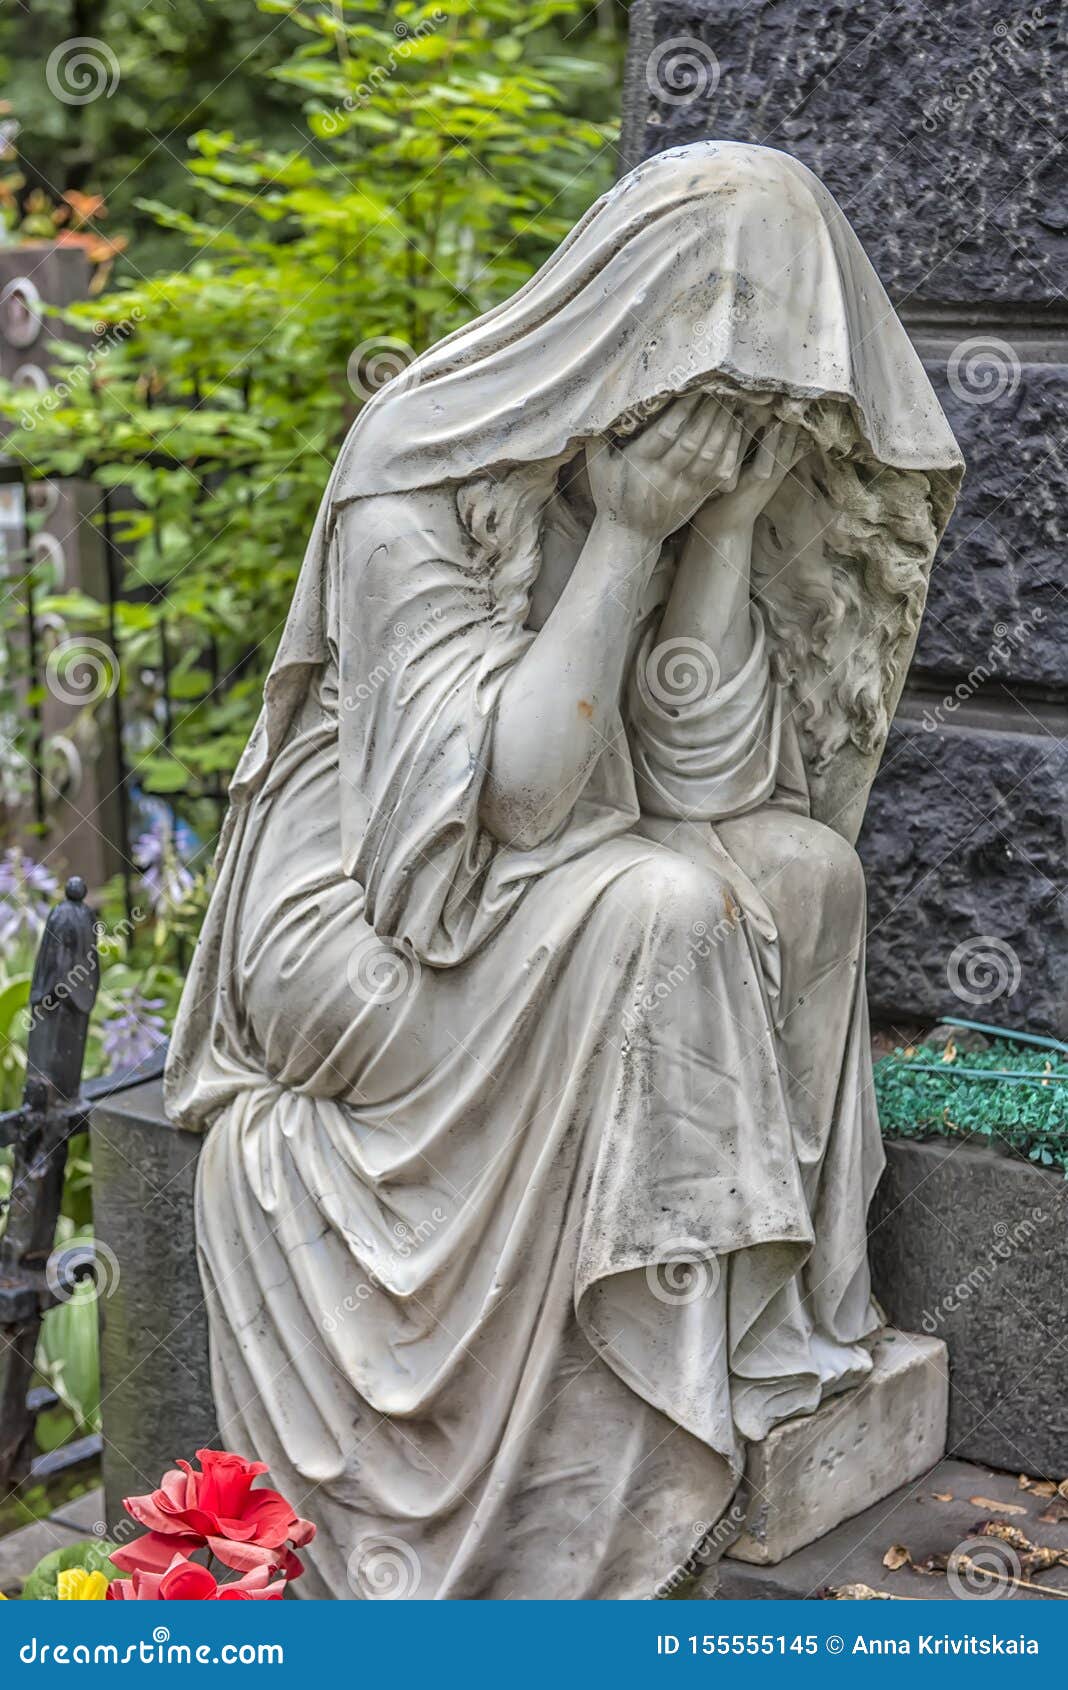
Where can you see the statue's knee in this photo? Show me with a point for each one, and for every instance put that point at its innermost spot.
(670, 895)
(821, 869)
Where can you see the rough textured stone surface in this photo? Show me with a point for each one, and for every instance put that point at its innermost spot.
(973, 1246)
(997, 596)
(154, 1339)
(965, 845)
(20, 1551)
(812, 1473)
(84, 1515)
(932, 1516)
(935, 127)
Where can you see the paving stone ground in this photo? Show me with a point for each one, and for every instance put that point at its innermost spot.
(915, 1517)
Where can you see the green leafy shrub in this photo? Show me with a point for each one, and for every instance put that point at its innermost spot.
(440, 165)
(1029, 1116)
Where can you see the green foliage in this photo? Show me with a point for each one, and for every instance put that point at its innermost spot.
(92, 1556)
(141, 959)
(443, 158)
(135, 964)
(1030, 1116)
(68, 1350)
(375, 176)
(171, 67)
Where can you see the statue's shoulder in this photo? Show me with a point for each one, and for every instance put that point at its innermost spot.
(426, 518)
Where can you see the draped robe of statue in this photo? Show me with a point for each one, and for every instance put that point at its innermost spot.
(536, 1179)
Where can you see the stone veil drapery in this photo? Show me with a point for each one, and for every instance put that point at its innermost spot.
(536, 1179)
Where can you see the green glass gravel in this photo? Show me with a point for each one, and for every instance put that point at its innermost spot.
(1031, 1118)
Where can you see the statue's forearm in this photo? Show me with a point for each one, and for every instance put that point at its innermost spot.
(710, 597)
(558, 705)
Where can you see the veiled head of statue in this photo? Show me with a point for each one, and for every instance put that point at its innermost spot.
(729, 268)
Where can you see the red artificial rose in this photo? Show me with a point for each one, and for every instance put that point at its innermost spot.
(187, 1581)
(216, 1509)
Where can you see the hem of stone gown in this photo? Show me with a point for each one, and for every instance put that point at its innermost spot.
(648, 1382)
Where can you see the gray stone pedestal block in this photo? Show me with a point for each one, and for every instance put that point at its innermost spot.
(154, 1335)
(973, 1246)
(812, 1473)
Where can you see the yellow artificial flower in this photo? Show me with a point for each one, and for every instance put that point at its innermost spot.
(79, 1585)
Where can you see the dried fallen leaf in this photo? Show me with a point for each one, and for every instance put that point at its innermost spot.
(1034, 1557)
(936, 1563)
(857, 1593)
(1037, 1487)
(942, 1495)
(1003, 1532)
(1055, 1513)
(996, 1507)
(897, 1556)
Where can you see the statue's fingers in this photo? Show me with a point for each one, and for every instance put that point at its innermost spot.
(731, 458)
(794, 447)
(769, 456)
(668, 427)
(693, 436)
(722, 422)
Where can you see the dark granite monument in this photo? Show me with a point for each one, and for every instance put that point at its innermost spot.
(937, 130)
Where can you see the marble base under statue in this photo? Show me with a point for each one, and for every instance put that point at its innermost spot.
(812, 1473)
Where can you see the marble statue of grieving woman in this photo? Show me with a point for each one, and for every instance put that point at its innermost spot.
(528, 1021)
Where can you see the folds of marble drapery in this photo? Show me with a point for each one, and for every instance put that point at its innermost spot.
(505, 1259)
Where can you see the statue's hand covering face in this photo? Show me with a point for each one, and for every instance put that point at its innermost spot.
(538, 1173)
